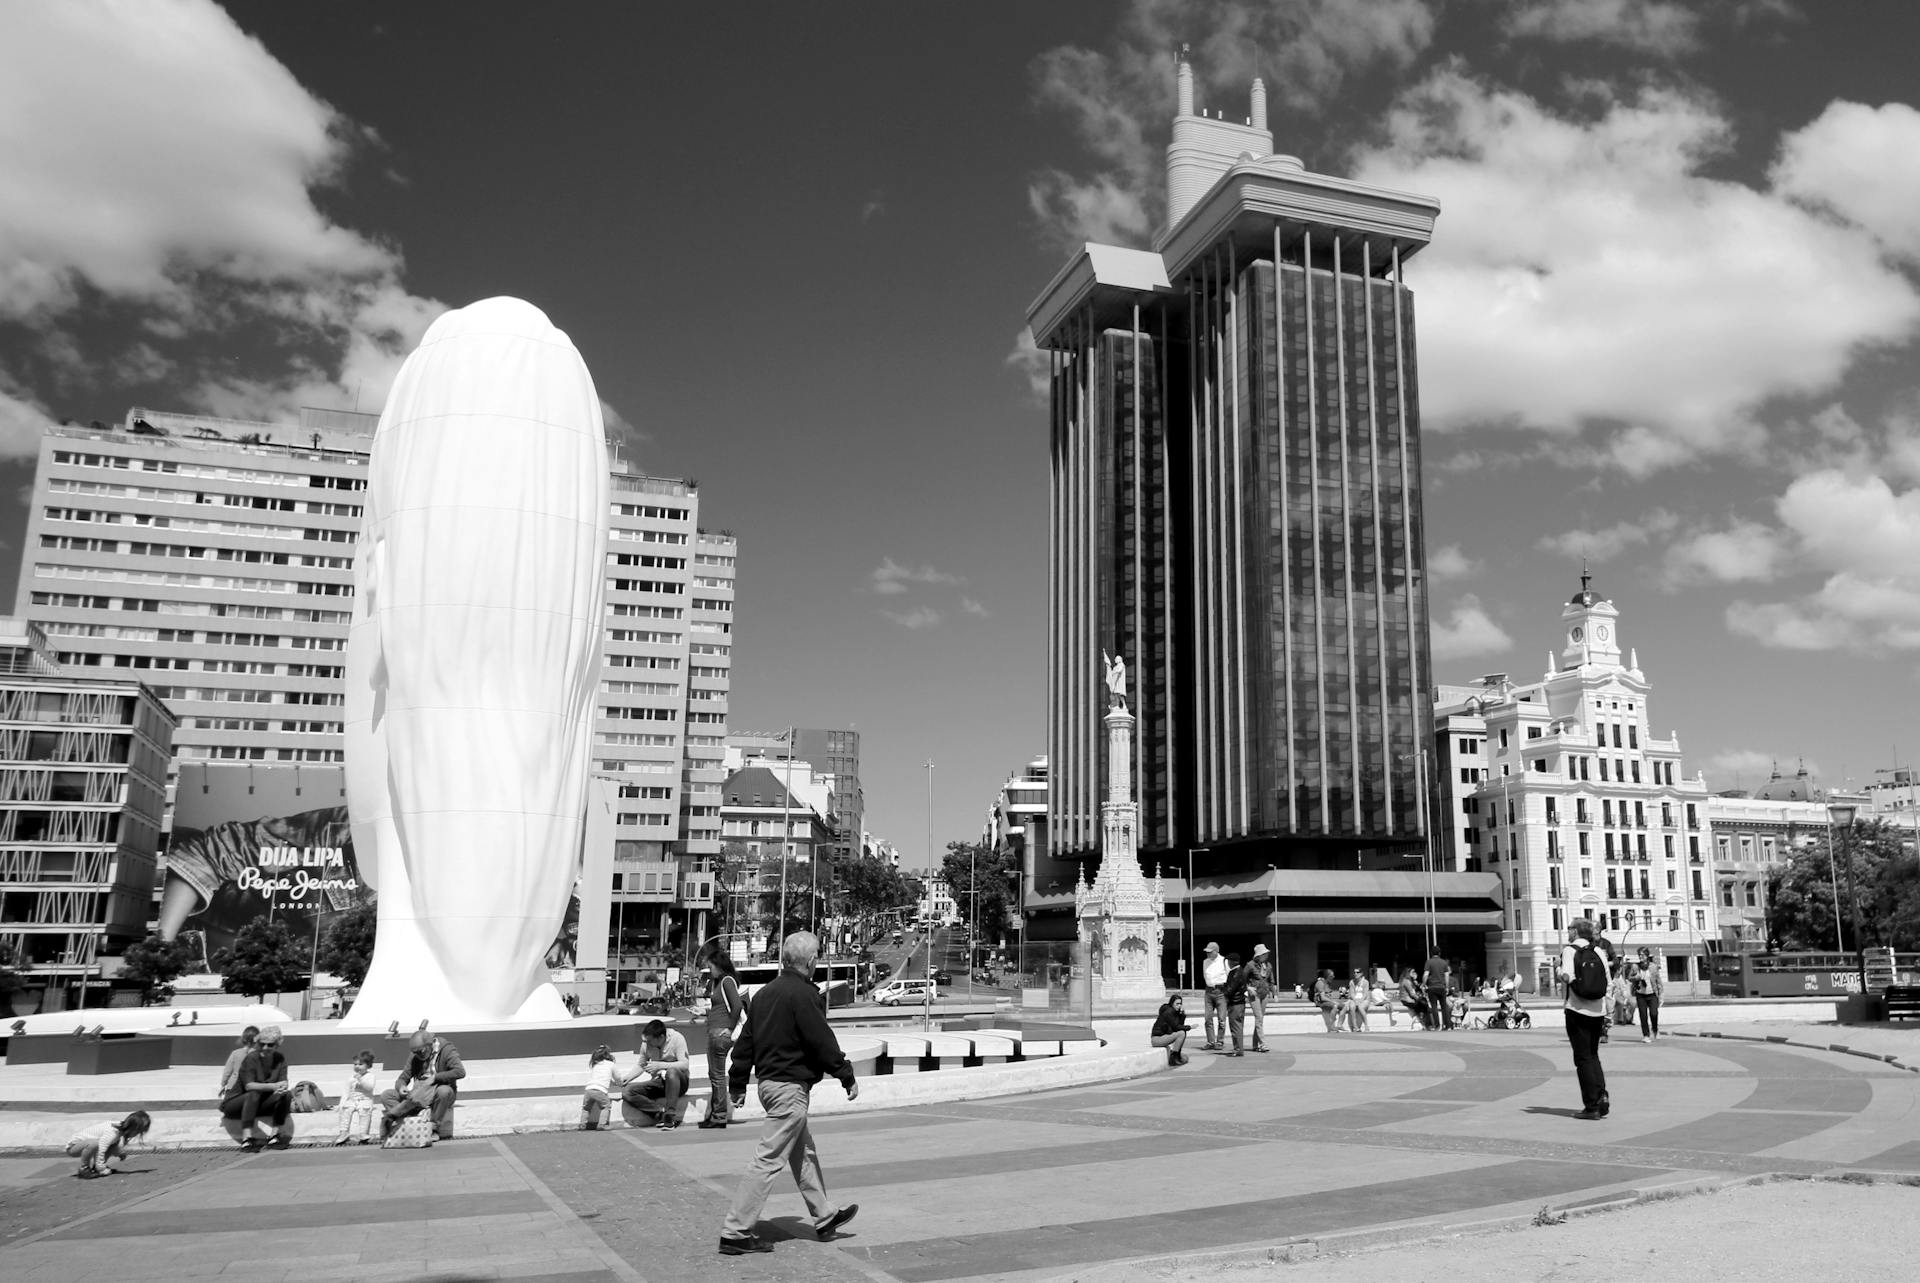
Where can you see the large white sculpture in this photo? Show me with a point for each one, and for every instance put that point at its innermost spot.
(471, 666)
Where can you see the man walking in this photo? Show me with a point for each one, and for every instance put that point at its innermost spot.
(1583, 969)
(1213, 973)
(1437, 970)
(788, 1046)
(1259, 989)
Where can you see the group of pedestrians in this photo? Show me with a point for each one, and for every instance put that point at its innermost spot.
(256, 1092)
(1232, 990)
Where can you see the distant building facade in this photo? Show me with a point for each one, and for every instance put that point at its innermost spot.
(1754, 834)
(1561, 791)
(83, 777)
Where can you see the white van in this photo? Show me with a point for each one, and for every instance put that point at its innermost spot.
(896, 993)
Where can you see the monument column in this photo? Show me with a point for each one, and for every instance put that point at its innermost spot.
(1119, 911)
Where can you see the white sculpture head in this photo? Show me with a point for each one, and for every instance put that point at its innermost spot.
(471, 665)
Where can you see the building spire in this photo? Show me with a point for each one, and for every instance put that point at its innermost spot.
(1586, 575)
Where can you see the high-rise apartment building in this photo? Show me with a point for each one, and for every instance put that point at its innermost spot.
(1236, 512)
(214, 559)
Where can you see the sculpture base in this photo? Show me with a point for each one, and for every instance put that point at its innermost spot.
(1131, 996)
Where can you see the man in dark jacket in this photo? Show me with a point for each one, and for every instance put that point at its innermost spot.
(430, 1081)
(1236, 995)
(788, 1046)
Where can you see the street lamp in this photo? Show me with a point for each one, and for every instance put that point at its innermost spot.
(1834, 813)
(1840, 815)
(1193, 958)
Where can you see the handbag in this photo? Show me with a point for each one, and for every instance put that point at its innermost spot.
(413, 1132)
(307, 1099)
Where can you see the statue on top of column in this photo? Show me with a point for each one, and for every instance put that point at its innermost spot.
(1116, 670)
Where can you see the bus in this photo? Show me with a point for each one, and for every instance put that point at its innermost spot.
(1784, 975)
(837, 979)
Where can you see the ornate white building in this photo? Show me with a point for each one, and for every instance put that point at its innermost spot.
(1561, 788)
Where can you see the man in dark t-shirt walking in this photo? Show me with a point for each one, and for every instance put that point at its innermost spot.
(1437, 970)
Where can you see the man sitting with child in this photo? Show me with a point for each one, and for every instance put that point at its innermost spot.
(665, 1071)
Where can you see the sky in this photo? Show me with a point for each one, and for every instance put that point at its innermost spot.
(1667, 323)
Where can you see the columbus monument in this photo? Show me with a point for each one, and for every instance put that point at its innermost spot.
(471, 661)
(1119, 911)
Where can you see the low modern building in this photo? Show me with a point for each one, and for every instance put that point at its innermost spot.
(83, 778)
(1560, 791)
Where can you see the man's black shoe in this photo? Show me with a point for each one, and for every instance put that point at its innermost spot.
(825, 1229)
(1589, 1115)
(710, 1124)
(742, 1245)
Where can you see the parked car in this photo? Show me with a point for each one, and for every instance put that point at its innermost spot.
(895, 993)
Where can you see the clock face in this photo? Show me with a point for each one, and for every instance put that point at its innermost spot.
(1601, 632)
(1578, 634)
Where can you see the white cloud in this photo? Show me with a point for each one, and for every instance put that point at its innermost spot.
(1036, 366)
(1749, 768)
(161, 160)
(22, 421)
(1580, 259)
(918, 618)
(1645, 26)
(890, 578)
(1609, 542)
(1863, 164)
(1745, 552)
(974, 608)
(1468, 631)
(1449, 562)
(1866, 536)
(1120, 103)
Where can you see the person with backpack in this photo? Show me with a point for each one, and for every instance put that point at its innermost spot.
(1583, 969)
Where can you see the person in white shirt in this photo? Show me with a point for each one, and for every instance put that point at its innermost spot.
(1586, 1010)
(356, 1102)
(1213, 973)
(97, 1146)
(665, 1071)
(603, 1080)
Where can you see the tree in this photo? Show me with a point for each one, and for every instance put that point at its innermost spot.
(870, 886)
(981, 881)
(264, 959)
(347, 948)
(153, 964)
(800, 887)
(1873, 868)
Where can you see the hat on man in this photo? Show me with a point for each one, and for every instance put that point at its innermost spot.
(1213, 946)
(1259, 951)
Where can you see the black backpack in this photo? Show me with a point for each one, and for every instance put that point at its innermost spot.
(1589, 974)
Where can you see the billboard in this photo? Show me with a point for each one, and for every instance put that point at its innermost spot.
(254, 841)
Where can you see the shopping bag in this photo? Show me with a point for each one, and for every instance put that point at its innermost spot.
(412, 1132)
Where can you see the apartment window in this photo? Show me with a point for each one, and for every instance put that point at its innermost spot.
(1636, 771)
(1553, 811)
(1640, 845)
(1639, 814)
(1616, 735)
(1558, 925)
(1614, 919)
(1613, 885)
(1645, 894)
(1609, 840)
(1692, 823)
(1673, 880)
(1633, 736)
(1726, 894)
(1669, 843)
(1553, 845)
(1503, 737)
(1752, 893)
(1586, 879)
(1509, 811)
(1533, 732)
(1583, 769)
(1700, 919)
(1583, 843)
(1693, 849)
(1699, 892)
(1603, 768)
(1606, 812)
(1553, 883)
(1540, 765)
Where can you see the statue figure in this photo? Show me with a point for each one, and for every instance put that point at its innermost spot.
(472, 658)
(1116, 669)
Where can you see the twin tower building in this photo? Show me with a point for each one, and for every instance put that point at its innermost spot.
(1236, 511)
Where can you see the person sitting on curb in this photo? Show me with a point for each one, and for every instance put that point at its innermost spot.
(1326, 997)
(666, 1068)
(1414, 998)
(1170, 1029)
(428, 1081)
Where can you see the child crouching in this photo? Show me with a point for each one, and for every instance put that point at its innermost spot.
(357, 1109)
(100, 1144)
(603, 1078)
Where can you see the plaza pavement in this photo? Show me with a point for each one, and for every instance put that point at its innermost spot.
(1336, 1139)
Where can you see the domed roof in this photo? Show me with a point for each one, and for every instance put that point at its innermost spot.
(1586, 596)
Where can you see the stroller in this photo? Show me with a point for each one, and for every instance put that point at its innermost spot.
(1507, 1014)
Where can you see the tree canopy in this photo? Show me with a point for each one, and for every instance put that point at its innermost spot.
(347, 948)
(154, 964)
(264, 959)
(1874, 866)
(973, 866)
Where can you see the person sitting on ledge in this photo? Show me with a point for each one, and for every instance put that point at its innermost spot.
(665, 1071)
(427, 1081)
(1170, 1029)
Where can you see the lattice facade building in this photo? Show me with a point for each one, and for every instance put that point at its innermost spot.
(83, 771)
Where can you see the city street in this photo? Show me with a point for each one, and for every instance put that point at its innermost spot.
(1400, 1132)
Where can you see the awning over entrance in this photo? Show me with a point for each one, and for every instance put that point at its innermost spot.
(1381, 919)
(1370, 884)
